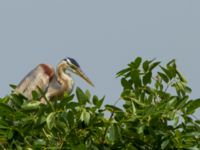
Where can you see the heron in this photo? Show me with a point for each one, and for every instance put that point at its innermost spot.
(51, 82)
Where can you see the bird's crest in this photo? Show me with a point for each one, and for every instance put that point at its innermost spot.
(73, 61)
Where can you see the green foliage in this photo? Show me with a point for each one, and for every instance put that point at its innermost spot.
(157, 113)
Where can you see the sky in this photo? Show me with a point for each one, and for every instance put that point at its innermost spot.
(103, 36)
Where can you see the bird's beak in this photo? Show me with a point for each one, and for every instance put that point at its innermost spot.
(84, 76)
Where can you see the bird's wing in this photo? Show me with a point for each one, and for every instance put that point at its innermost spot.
(39, 77)
(54, 88)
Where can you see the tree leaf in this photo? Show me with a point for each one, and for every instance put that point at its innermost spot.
(114, 133)
(13, 86)
(165, 143)
(112, 108)
(87, 93)
(82, 98)
(35, 95)
(137, 62)
(123, 72)
(147, 78)
(31, 105)
(181, 77)
(85, 116)
(135, 76)
(154, 65)
(5, 108)
(163, 77)
(192, 106)
(126, 84)
(167, 72)
(51, 119)
(146, 65)
(97, 102)
(39, 142)
(70, 118)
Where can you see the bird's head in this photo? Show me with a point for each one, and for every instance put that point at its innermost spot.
(72, 65)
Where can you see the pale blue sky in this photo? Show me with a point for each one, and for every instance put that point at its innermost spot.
(103, 36)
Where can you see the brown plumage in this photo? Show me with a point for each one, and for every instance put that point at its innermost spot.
(52, 82)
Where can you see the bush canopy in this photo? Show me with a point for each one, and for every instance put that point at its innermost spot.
(157, 113)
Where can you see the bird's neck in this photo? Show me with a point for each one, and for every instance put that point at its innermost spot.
(64, 78)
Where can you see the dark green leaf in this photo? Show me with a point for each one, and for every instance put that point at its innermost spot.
(97, 102)
(82, 98)
(5, 108)
(122, 72)
(181, 77)
(154, 65)
(163, 77)
(65, 101)
(112, 108)
(192, 106)
(167, 72)
(70, 118)
(126, 84)
(17, 100)
(146, 65)
(35, 95)
(137, 62)
(13, 86)
(135, 76)
(72, 105)
(171, 62)
(147, 78)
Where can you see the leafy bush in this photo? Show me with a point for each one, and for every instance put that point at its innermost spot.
(157, 113)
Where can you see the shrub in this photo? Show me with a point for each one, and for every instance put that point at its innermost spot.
(157, 113)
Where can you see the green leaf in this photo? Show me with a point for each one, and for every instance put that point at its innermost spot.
(17, 100)
(32, 105)
(123, 72)
(35, 95)
(181, 77)
(65, 101)
(114, 133)
(13, 86)
(82, 98)
(167, 72)
(72, 105)
(135, 76)
(112, 108)
(171, 62)
(51, 120)
(137, 62)
(154, 65)
(126, 84)
(165, 143)
(5, 108)
(39, 142)
(85, 116)
(10, 134)
(70, 118)
(97, 102)
(138, 102)
(147, 78)
(192, 106)
(146, 65)
(163, 77)
(87, 93)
